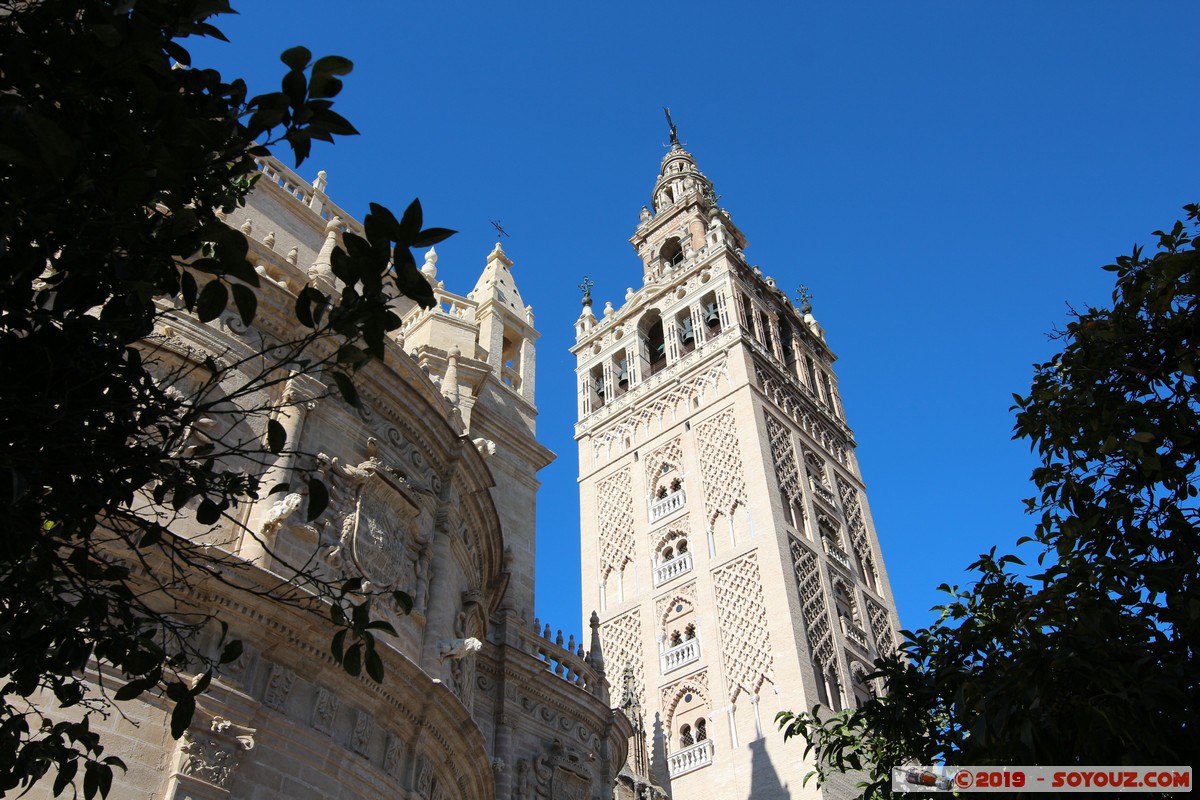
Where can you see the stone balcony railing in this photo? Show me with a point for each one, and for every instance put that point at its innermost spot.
(854, 633)
(680, 655)
(690, 758)
(667, 505)
(838, 555)
(680, 565)
(821, 491)
(572, 664)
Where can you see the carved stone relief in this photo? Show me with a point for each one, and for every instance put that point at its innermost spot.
(668, 456)
(211, 756)
(374, 527)
(278, 686)
(789, 400)
(364, 729)
(562, 774)
(655, 416)
(325, 710)
(393, 756)
(663, 605)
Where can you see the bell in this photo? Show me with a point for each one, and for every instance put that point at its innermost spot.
(623, 373)
(686, 334)
(711, 315)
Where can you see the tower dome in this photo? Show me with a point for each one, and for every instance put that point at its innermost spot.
(679, 178)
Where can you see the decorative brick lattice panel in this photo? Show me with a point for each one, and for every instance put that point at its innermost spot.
(621, 642)
(783, 452)
(859, 539)
(790, 401)
(615, 517)
(881, 627)
(813, 606)
(742, 621)
(720, 465)
(670, 454)
(657, 415)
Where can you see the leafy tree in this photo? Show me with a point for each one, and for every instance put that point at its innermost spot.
(116, 159)
(1093, 659)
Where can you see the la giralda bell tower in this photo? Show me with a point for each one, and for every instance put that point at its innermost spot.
(725, 531)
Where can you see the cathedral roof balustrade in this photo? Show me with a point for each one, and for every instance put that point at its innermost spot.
(572, 665)
(448, 304)
(312, 195)
(690, 758)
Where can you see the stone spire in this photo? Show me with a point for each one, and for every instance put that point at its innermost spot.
(679, 179)
(321, 271)
(505, 324)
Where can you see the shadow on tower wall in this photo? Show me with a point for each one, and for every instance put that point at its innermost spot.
(764, 780)
(658, 756)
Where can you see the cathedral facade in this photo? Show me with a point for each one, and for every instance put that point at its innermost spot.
(432, 487)
(726, 538)
(726, 541)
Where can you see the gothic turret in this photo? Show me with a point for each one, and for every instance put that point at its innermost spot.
(505, 324)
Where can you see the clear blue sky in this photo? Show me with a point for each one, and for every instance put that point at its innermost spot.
(945, 176)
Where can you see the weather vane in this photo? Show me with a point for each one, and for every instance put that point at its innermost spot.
(671, 124)
(586, 287)
(499, 230)
(804, 298)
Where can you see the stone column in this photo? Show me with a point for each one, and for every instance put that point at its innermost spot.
(504, 747)
(299, 396)
(443, 600)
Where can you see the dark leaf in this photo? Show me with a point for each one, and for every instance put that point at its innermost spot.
(212, 300)
(296, 58)
(332, 65)
(352, 662)
(318, 498)
(431, 236)
(231, 652)
(346, 388)
(374, 665)
(188, 289)
(181, 715)
(208, 512)
(403, 602)
(410, 224)
(246, 302)
(276, 436)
